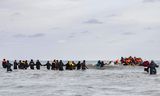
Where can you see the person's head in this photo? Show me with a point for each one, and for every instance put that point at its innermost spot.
(7, 61)
(152, 61)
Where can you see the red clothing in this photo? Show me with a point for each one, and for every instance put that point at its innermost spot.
(146, 63)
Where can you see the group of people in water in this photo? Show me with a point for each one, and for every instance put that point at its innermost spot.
(131, 60)
(149, 67)
(55, 65)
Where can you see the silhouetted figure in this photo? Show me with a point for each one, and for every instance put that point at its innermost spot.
(48, 65)
(53, 65)
(8, 66)
(152, 67)
(98, 65)
(15, 64)
(61, 65)
(38, 65)
(26, 65)
(84, 67)
(57, 65)
(20, 64)
(31, 64)
(67, 66)
(102, 64)
(78, 65)
(4, 63)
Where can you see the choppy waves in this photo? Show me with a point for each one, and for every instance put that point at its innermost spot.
(118, 81)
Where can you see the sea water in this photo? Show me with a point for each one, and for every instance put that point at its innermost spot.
(111, 81)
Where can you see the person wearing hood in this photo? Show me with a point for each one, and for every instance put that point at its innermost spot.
(152, 67)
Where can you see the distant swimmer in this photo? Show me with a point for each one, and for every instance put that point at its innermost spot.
(152, 67)
(8, 66)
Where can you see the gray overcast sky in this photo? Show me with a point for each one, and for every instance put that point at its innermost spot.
(79, 29)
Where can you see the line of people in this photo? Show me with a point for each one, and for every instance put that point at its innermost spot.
(55, 65)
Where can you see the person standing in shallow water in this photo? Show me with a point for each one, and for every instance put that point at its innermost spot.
(146, 66)
(38, 64)
(15, 64)
(4, 63)
(8, 66)
(84, 67)
(61, 65)
(79, 65)
(31, 64)
(48, 65)
(53, 66)
(26, 64)
(67, 66)
(152, 67)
